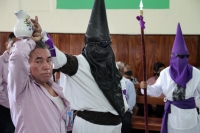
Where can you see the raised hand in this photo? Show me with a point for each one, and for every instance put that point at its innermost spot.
(37, 38)
(143, 84)
(37, 27)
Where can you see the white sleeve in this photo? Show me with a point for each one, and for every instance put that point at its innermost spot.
(131, 95)
(123, 85)
(155, 89)
(60, 59)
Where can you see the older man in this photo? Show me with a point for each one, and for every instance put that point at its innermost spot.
(37, 103)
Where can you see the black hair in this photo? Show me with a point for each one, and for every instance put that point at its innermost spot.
(158, 65)
(11, 36)
(40, 44)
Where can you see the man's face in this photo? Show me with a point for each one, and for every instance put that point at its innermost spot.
(127, 68)
(40, 65)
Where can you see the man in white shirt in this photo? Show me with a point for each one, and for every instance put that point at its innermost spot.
(130, 94)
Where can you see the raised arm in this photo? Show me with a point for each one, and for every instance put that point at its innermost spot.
(66, 63)
(19, 67)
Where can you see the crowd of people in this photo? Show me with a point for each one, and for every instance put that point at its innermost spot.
(90, 92)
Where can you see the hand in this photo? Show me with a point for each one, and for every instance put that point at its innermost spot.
(37, 38)
(37, 27)
(143, 84)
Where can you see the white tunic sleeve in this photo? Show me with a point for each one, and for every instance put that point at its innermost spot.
(155, 89)
(59, 60)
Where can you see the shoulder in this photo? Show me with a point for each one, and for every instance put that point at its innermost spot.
(82, 61)
(195, 71)
(128, 82)
(125, 80)
(165, 71)
(80, 56)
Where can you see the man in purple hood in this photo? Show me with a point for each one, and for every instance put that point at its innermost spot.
(180, 83)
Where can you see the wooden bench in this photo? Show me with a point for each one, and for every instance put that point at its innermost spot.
(138, 122)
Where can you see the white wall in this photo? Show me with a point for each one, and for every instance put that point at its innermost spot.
(187, 12)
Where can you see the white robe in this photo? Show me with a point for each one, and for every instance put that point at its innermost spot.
(179, 120)
(83, 93)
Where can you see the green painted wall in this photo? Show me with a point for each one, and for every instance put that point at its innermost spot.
(113, 4)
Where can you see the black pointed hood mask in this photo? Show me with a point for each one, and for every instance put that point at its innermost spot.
(101, 59)
(97, 30)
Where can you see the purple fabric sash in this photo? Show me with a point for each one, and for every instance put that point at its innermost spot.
(51, 48)
(183, 104)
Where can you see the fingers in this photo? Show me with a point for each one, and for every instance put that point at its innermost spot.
(143, 84)
(36, 34)
(36, 24)
(38, 38)
(36, 19)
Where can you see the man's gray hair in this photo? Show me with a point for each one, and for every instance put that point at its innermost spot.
(41, 44)
(120, 65)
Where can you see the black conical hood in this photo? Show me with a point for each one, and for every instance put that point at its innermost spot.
(97, 30)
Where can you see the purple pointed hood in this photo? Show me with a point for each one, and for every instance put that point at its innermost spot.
(180, 70)
(179, 46)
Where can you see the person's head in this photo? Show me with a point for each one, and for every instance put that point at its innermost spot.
(127, 71)
(40, 63)
(158, 67)
(179, 53)
(180, 70)
(10, 41)
(120, 67)
(98, 30)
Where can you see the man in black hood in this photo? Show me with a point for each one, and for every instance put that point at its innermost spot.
(91, 80)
